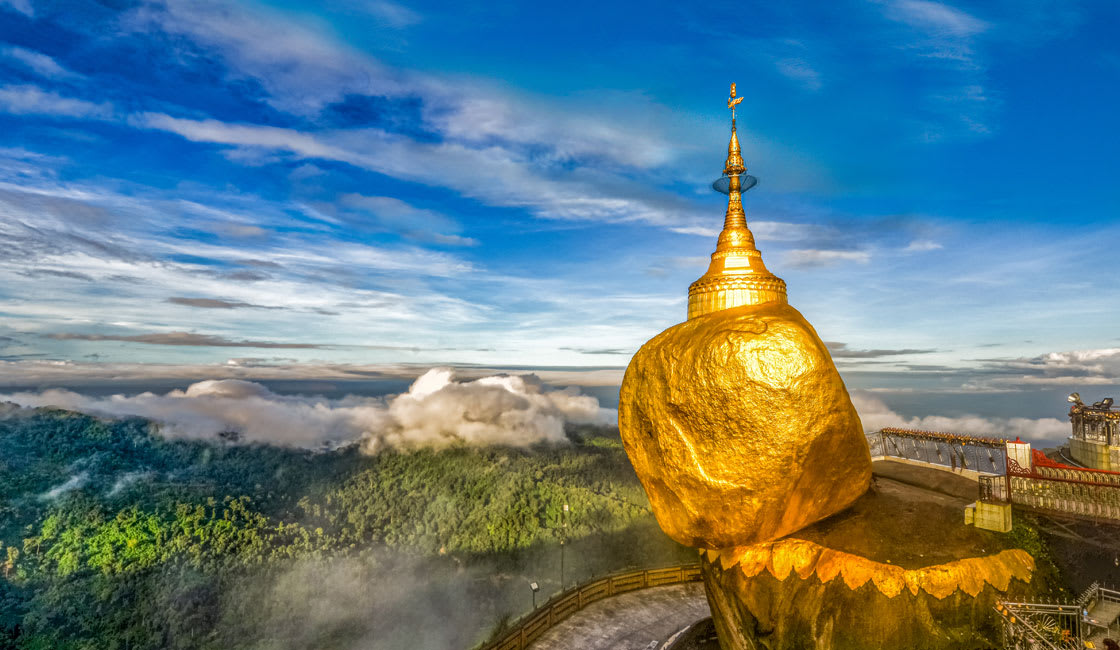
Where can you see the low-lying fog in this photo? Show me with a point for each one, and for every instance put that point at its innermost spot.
(437, 410)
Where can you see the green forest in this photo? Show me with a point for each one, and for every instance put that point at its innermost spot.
(115, 537)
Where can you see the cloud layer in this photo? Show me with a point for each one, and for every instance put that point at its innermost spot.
(436, 411)
(875, 415)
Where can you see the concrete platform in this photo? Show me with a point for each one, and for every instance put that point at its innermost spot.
(929, 478)
(639, 620)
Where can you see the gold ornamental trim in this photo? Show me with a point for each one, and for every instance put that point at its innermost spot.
(714, 284)
(805, 558)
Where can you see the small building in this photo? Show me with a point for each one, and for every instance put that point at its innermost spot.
(1095, 441)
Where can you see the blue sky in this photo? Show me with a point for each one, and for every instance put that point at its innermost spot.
(522, 184)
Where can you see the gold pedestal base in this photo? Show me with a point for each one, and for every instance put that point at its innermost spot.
(793, 594)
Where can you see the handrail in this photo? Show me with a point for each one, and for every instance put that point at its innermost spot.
(530, 626)
(1045, 608)
(1088, 594)
(945, 436)
(1109, 594)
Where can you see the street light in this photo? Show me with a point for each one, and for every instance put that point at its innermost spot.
(534, 587)
(563, 538)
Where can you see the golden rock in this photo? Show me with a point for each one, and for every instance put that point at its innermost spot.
(740, 428)
(736, 421)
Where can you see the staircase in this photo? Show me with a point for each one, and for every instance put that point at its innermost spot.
(1056, 626)
(1103, 606)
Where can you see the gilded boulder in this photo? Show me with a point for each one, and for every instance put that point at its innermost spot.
(740, 428)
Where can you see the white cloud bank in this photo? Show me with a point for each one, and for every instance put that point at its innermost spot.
(435, 412)
(875, 415)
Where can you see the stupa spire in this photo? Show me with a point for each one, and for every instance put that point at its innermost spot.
(736, 275)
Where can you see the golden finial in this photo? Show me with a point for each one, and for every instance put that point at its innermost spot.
(736, 275)
(732, 102)
(734, 165)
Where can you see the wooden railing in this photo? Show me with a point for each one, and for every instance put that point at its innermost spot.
(561, 606)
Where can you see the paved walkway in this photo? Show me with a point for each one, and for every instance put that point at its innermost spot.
(639, 620)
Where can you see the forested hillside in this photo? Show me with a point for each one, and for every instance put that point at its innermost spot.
(115, 537)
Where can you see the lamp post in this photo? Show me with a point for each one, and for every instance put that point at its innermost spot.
(534, 587)
(563, 538)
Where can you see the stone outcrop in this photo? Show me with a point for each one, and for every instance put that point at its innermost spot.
(740, 428)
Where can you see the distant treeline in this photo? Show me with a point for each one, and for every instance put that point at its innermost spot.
(112, 536)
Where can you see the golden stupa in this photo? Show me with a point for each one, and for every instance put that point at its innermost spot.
(736, 275)
(736, 421)
(745, 439)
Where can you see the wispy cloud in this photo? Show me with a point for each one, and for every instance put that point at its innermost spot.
(414, 223)
(801, 71)
(56, 273)
(301, 68)
(22, 6)
(842, 351)
(214, 303)
(808, 258)
(393, 14)
(935, 18)
(921, 246)
(39, 63)
(763, 230)
(32, 100)
(1069, 368)
(625, 352)
(497, 176)
(179, 338)
(305, 70)
(949, 36)
(662, 266)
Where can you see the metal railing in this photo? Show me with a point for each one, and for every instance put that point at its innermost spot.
(1058, 626)
(531, 626)
(1027, 626)
(942, 451)
(1031, 626)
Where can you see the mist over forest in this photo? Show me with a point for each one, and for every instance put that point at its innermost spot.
(435, 411)
(124, 532)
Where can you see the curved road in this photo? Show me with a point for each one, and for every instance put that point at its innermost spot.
(638, 620)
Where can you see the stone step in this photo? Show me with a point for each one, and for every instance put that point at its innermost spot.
(1105, 611)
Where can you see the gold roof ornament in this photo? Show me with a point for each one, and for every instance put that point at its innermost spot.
(736, 275)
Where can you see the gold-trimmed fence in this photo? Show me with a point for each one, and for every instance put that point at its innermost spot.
(559, 607)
